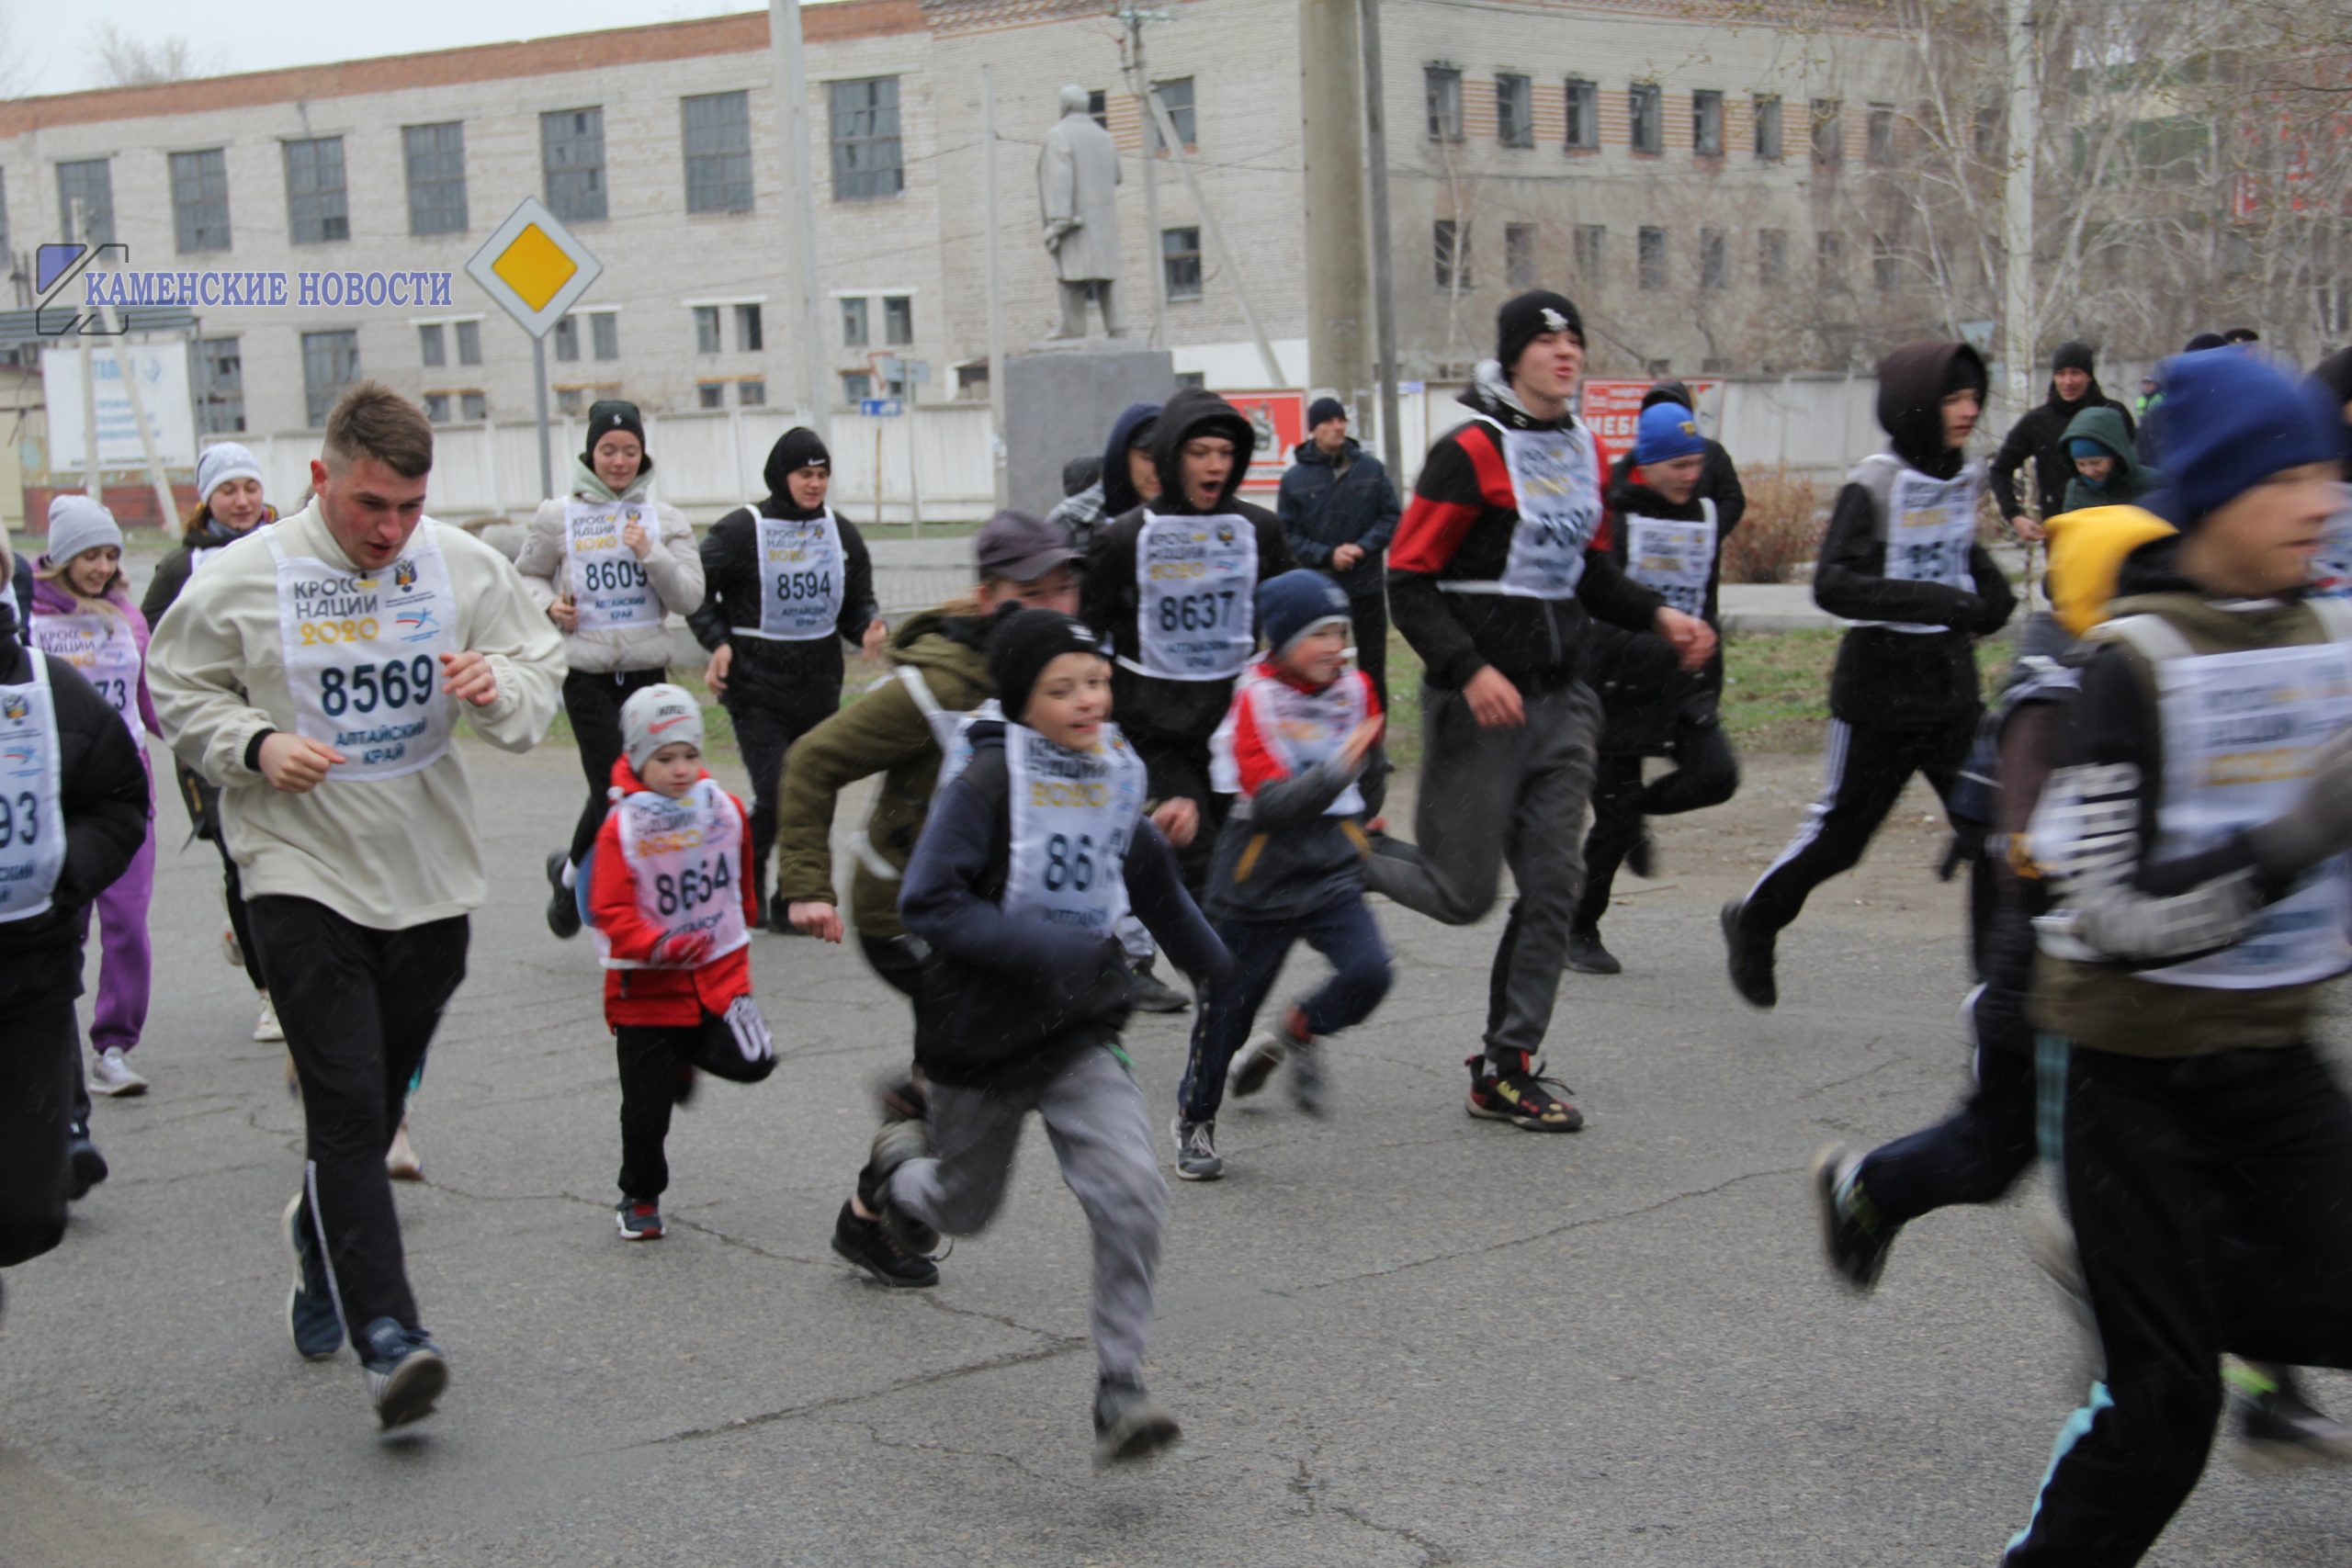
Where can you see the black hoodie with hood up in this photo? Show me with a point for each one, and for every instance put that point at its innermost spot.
(1887, 679)
(1146, 706)
(799, 678)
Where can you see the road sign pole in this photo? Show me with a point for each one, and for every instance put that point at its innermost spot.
(546, 451)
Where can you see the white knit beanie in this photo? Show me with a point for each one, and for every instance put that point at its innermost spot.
(77, 523)
(656, 716)
(219, 463)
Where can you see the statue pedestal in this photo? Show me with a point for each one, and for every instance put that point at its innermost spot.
(1059, 401)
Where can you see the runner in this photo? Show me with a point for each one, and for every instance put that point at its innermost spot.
(315, 672)
(672, 903)
(1124, 479)
(2040, 437)
(1668, 535)
(787, 582)
(609, 566)
(1901, 561)
(228, 479)
(1493, 579)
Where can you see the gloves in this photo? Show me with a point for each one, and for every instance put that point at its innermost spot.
(1970, 613)
(2317, 826)
(683, 949)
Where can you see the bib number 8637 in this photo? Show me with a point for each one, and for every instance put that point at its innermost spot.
(1196, 612)
(690, 888)
(364, 688)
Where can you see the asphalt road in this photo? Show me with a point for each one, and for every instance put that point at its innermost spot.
(1398, 1336)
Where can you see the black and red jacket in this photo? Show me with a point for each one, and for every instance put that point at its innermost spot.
(1459, 528)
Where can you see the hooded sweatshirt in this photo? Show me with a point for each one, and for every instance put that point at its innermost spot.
(2127, 481)
(802, 678)
(1113, 493)
(660, 998)
(1149, 706)
(673, 567)
(50, 598)
(1459, 528)
(2041, 436)
(1887, 679)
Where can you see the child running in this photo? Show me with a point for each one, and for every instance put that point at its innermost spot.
(1019, 876)
(1292, 752)
(671, 905)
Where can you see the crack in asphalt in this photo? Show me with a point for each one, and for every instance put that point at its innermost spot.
(873, 1435)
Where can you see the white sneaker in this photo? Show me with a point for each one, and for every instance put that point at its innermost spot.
(266, 1028)
(230, 951)
(109, 1074)
(401, 1162)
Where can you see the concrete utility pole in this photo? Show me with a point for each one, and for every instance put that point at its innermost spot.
(792, 98)
(1134, 16)
(1215, 236)
(1384, 272)
(2019, 305)
(998, 480)
(1331, 117)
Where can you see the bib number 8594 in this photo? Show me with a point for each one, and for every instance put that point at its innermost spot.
(690, 888)
(364, 688)
(796, 585)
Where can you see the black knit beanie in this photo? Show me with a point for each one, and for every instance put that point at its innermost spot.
(1523, 320)
(1023, 643)
(2074, 356)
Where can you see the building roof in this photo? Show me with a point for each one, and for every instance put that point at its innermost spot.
(738, 34)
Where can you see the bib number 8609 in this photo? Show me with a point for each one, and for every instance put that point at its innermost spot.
(364, 688)
(1196, 612)
(690, 888)
(612, 576)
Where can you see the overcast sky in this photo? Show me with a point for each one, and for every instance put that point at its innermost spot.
(49, 41)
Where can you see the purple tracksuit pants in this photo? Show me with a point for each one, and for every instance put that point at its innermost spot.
(126, 956)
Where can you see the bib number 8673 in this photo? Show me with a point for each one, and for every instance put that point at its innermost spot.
(364, 688)
(690, 888)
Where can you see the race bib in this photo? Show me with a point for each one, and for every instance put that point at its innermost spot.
(1555, 484)
(1678, 559)
(1196, 581)
(801, 579)
(685, 860)
(1930, 532)
(609, 587)
(363, 657)
(1301, 728)
(32, 810)
(103, 649)
(1073, 814)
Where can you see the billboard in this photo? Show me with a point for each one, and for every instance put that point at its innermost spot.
(1613, 405)
(1280, 420)
(162, 372)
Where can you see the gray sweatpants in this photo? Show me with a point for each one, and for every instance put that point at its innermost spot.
(1094, 1115)
(1488, 796)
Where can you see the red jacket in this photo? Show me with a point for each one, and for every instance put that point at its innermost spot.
(660, 998)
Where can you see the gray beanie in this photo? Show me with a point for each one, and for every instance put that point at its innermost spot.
(77, 523)
(223, 463)
(655, 717)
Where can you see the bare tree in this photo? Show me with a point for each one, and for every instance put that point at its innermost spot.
(122, 59)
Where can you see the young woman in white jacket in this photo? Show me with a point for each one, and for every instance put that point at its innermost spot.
(608, 567)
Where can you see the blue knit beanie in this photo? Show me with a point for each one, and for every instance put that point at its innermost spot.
(1667, 431)
(2230, 423)
(1296, 602)
(2084, 447)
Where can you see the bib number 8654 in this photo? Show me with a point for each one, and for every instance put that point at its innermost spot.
(364, 688)
(690, 888)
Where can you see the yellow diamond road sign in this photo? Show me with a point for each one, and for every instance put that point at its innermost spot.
(534, 267)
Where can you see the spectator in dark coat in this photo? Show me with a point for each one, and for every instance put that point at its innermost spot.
(1339, 508)
(2041, 436)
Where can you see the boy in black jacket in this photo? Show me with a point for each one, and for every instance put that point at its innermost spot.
(1025, 863)
(1901, 558)
(77, 805)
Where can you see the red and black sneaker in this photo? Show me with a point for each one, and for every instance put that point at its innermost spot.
(639, 1221)
(1516, 1094)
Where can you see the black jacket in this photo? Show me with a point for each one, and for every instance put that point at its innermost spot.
(1718, 477)
(1146, 706)
(1325, 504)
(206, 533)
(803, 679)
(1006, 999)
(2041, 436)
(1892, 680)
(104, 790)
(1642, 687)
(1459, 527)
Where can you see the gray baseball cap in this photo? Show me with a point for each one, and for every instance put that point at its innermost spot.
(1021, 547)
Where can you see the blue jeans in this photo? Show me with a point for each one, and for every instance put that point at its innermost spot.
(1344, 933)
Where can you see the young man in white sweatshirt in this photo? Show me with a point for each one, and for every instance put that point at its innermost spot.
(315, 672)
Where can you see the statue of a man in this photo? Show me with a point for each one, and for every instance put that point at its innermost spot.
(1078, 182)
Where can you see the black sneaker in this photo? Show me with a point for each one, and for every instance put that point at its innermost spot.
(1196, 1156)
(1130, 1424)
(638, 1221)
(564, 903)
(1522, 1098)
(310, 1316)
(1750, 958)
(89, 1167)
(1254, 1064)
(1641, 855)
(1587, 957)
(2277, 1425)
(896, 1142)
(405, 1371)
(867, 1244)
(1154, 995)
(1856, 1250)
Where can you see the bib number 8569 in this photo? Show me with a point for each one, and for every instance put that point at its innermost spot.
(364, 688)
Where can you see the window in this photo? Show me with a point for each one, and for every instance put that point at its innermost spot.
(867, 162)
(710, 394)
(705, 329)
(473, 407)
(1829, 261)
(1767, 110)
(315, 198)
(1518, 254)
(898, 320)
(1176, 98)
(200, 201)
(1650, 255)
(1442, 86)
(1772, 257)
(1451, 244)
(1828, 138)
(1592, 251)
(1584, 114)
(469, 343)
(431, 345)
(437, 407)
(605, 334)
(571, 161)
(718, 151)
(1646, 103)
(1180, 263)
(856, 387)
(220, 385)
(1882, 137)
(751, 394)
(89, 183)
(437, 178)
(567, 339)
(1707, 125)
(1098, 107)
(854, 324)
(1887, 268)
(570, 400)
(1714, 272)
(748, 336)
(330, 364)
(1514, 111)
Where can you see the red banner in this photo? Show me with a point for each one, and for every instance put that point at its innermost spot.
(1613, 407)
(1280, 420)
